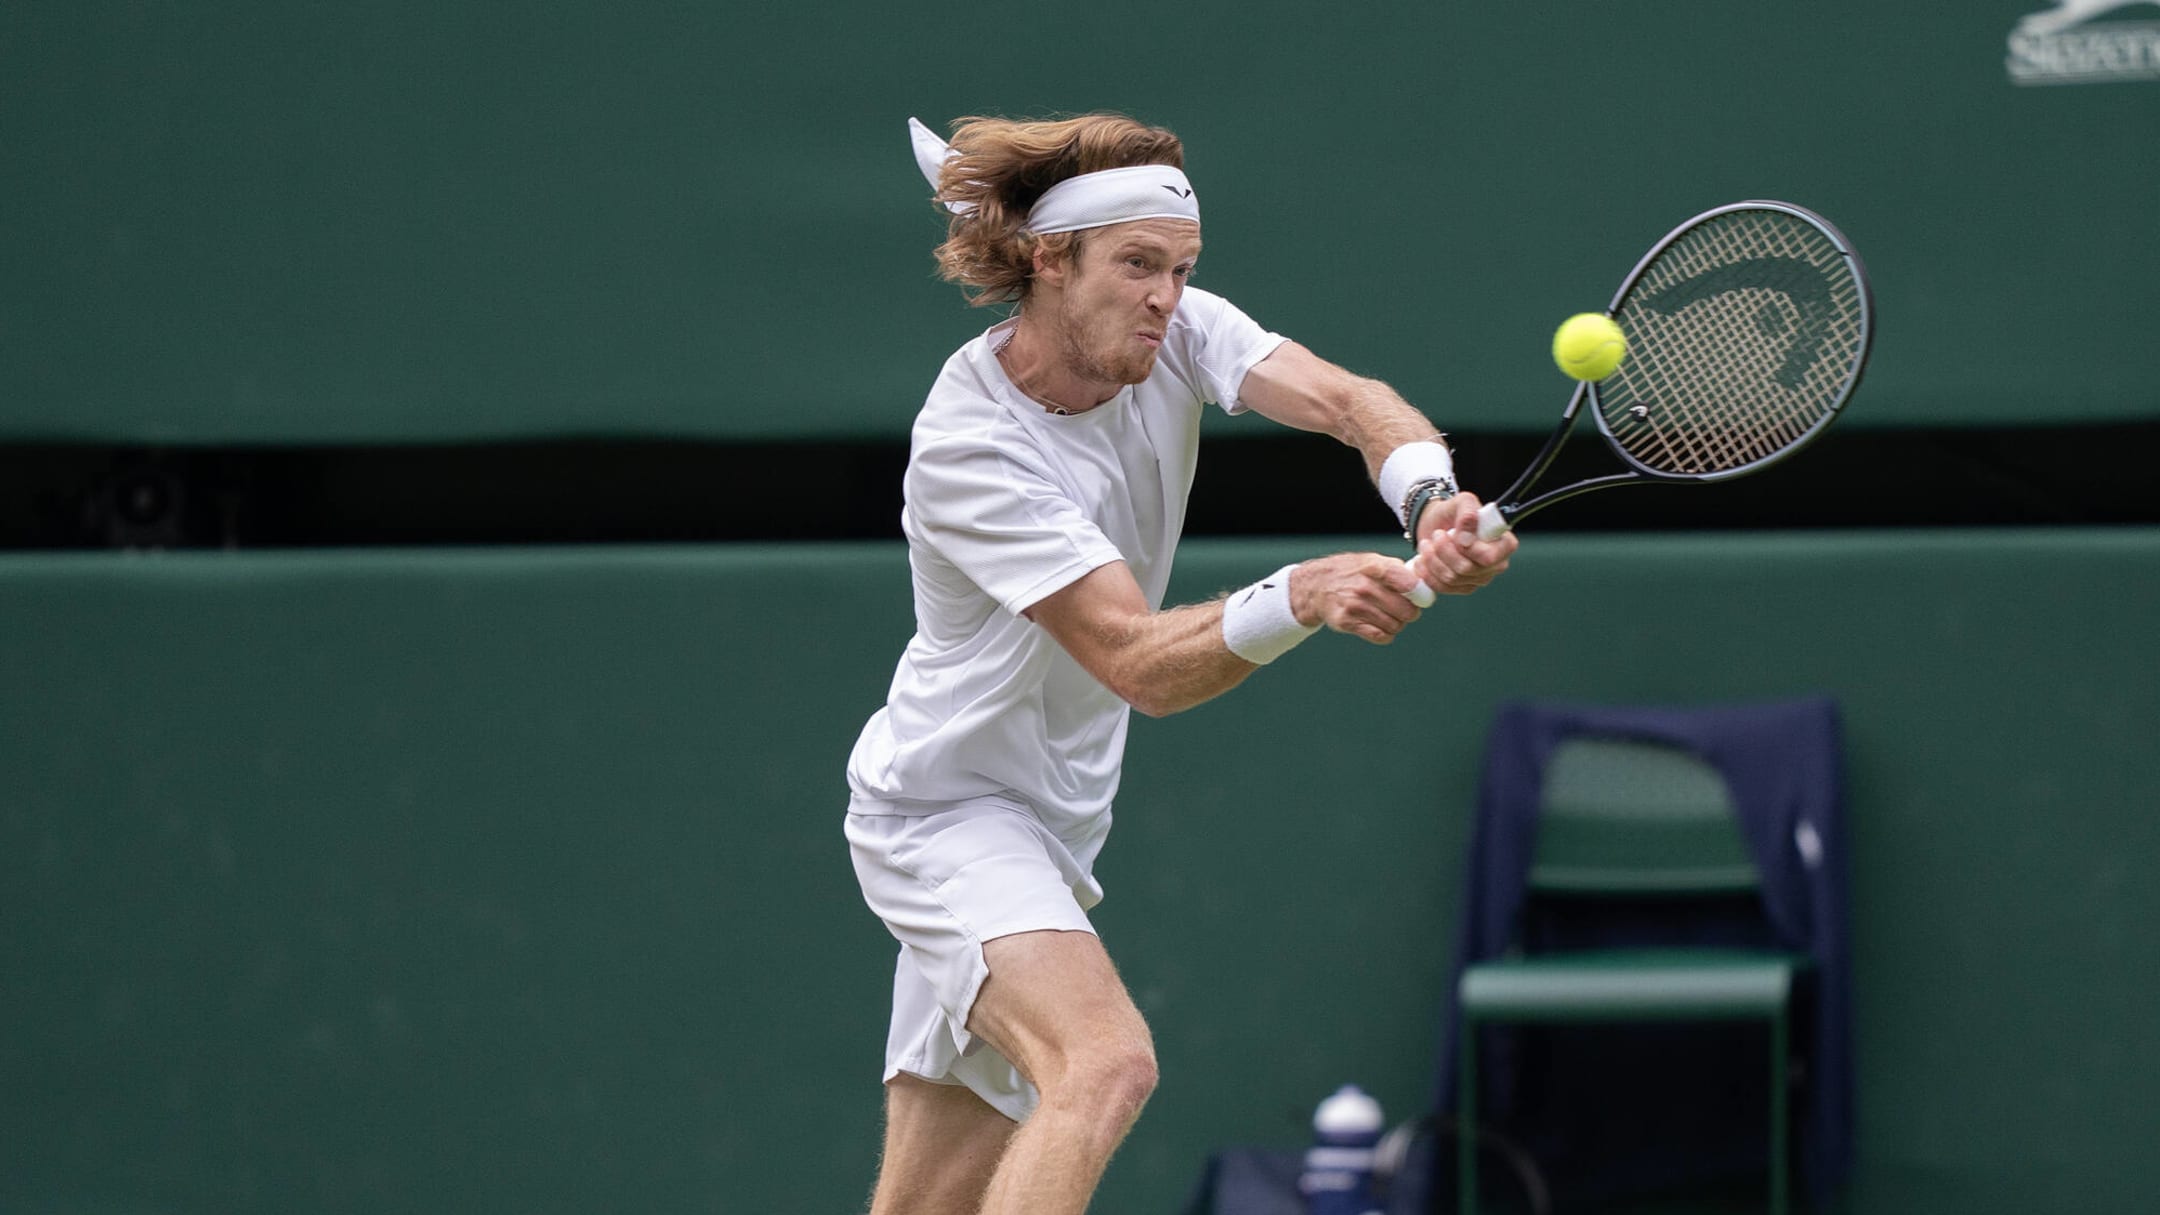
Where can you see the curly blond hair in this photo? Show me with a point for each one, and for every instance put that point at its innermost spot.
(1003, 167)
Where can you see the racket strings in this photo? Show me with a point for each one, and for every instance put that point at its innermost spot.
(1742, 336)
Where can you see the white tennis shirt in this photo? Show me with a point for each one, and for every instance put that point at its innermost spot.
(1007, 504)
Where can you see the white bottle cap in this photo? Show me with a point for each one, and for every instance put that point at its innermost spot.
(1351, 1111)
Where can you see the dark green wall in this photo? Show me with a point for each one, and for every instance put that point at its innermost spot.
(259, 222)
(512, 881)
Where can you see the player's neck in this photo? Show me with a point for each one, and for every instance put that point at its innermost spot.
(1033, 360)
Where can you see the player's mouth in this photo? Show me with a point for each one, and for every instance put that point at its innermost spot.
(1153, 341)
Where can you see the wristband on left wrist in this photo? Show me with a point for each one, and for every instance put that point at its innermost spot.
(1411, 467)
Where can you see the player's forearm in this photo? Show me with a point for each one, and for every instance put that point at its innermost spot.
(1375, 419)
(1166, 662)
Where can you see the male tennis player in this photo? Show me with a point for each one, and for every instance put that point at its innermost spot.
(1045, 495)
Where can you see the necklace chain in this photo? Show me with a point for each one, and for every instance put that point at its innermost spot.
(1052, 406)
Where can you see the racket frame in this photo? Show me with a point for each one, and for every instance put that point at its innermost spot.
(1509, 509)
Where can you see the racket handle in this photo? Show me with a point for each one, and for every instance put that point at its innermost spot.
(1491, 524)
(1421, 595)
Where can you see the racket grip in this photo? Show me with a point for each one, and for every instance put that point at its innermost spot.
(1421, 595)
(1491, 524)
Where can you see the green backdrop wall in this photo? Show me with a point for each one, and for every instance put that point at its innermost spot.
(512, 882)
(256, 222)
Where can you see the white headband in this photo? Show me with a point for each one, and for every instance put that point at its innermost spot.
(1090, 200)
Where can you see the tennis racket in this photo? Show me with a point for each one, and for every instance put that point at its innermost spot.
(1747, 330)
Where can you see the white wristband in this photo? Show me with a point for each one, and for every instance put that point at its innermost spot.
(1257, 623)
(1428, 460)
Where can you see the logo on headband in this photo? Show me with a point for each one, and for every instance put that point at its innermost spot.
(1184, 193)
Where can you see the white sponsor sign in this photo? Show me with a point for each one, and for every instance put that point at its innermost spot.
(2065, 45)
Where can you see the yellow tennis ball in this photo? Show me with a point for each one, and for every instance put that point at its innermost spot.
(1589, 346)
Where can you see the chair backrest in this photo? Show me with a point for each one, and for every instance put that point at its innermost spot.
(1619, 816)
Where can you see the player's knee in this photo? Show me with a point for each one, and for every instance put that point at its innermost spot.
(1138, 1074)
(1116, 1077)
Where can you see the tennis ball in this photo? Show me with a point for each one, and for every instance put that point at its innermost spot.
(1589, 346)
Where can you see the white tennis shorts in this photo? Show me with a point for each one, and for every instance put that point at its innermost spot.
(944, 883)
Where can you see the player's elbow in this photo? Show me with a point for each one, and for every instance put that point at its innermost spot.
(1160, 697)
(1155, 707)
(1152, 697)
(1148, 700)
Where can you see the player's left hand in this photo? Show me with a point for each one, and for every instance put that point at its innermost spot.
(1450, 558)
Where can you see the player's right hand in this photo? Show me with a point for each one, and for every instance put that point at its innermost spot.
(1363, 594)
(1450, 558)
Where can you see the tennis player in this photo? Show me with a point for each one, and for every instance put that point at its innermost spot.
(1045, 494)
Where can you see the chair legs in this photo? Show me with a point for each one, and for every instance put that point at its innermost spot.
(1466, 1117)
(1466, 1191)
(1780, 1072)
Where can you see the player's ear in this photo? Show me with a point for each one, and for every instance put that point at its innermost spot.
(1049, 267)
(1055, 258)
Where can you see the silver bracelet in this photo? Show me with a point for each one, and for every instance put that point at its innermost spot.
(1422, 494)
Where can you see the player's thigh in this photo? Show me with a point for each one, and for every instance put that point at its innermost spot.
(1054, 1001)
